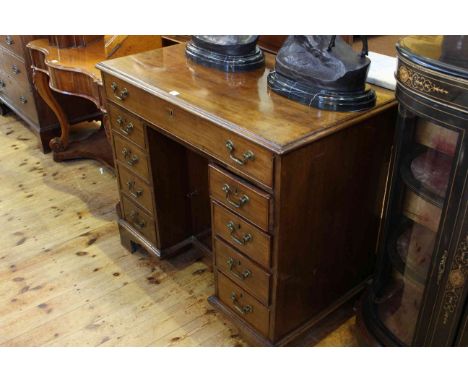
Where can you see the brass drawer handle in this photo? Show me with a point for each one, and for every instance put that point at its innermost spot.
(238, 204)
(232, 264)
(23, 100)
(232, 229)
(132, 159)
(15, 69)
(125, 130)
(123, 93)
(9, 40)
(131, 188)
(139, 223)
(248, 155)
(241, 309)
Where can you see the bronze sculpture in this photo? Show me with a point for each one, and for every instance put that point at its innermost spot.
(324, 72)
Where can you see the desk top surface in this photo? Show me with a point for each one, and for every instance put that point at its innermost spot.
(240, 101)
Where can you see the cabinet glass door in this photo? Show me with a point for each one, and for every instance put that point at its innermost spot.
(423, 173)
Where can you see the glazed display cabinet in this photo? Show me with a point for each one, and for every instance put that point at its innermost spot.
(419, 293)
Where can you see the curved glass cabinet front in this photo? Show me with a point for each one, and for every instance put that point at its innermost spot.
(427, 153)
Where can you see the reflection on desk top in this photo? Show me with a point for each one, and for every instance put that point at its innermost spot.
(240, 102)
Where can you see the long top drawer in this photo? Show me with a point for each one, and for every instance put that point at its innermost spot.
(238, 153)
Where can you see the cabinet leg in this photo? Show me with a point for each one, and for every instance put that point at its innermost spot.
(45, 137)
(126, 241)
(41, 82)
(3, 108)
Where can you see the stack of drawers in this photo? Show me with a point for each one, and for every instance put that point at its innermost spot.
(242, 247)
(132, 165)
(241, 213)
(15, 89)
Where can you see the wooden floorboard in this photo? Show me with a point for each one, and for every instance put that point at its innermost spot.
(65, 280)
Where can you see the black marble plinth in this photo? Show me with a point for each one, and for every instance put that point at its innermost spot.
(240, 46)
(319, 97)
(225, 62)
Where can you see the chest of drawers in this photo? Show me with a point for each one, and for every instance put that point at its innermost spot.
(287, 199)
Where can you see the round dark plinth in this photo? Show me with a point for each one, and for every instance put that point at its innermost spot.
(321, 98)
(224, 62)
(240, 49)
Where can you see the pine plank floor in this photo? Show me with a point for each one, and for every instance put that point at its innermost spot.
(65, 280)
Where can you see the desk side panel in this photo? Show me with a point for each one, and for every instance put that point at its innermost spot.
(328, 216)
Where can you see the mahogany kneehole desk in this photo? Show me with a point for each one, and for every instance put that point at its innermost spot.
(287, 198)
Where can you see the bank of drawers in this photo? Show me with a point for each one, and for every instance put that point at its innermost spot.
(241, 211)
(15, 89)
(133, 172)
(242, 247)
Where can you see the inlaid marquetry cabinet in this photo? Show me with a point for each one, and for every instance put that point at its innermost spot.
(287, 199)
(18, 94)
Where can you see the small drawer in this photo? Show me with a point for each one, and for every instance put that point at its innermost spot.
(248, 239)
(12, 43)
(243, 304)
(24, 101)
(15, 68)
(135, 189)
(130, 155)
(20, 97)
(121, 93)
(238, 153)
(127, 125)
(140, 220)
(241, 155)
(244, 272)
(246, 200)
